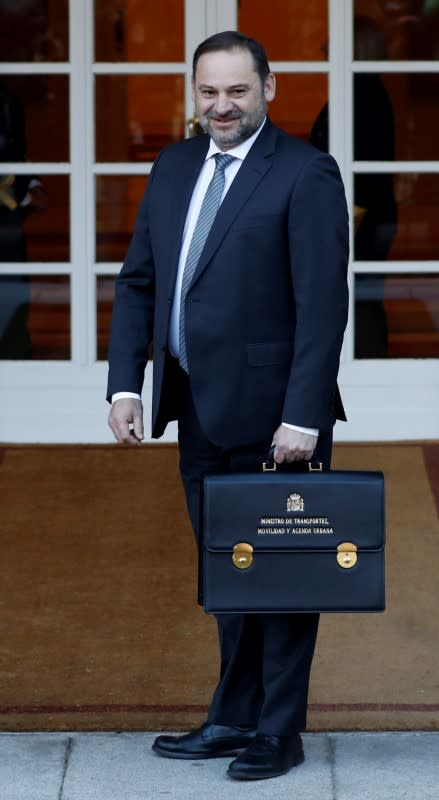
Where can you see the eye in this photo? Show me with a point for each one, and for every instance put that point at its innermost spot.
(239, 92)
(207, 92)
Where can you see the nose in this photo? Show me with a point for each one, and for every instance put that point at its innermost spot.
(222, 104)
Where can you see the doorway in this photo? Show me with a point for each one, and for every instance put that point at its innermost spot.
(97, 87)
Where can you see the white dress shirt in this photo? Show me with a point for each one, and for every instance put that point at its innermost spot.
(239, 153)
(204, 178)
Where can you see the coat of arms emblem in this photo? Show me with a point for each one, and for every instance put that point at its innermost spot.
(295, 502)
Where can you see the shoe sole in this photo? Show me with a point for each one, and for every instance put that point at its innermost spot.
(246, 776)
(196, 756)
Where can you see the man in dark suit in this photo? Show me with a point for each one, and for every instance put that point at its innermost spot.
(20, 196)
(237, 271)
(375, 206)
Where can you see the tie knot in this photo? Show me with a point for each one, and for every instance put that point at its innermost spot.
(223, 160)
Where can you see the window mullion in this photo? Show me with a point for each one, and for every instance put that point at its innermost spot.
(340, 122)
(78, 189)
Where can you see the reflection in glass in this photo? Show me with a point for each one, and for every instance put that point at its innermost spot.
(290, 30)
(15, 341)
(34, 317)
(396, 219)
(117, 202)
(26, 234)
(143, 112)
(48, 234)
(417, 234)
(398, 30)
(374, 140)
(374, 120)
(411, 308)
(139, 30)
(298, 101)
(414, 100)
(105, 297)
(40, 105)
(21, 196)
(375, 214)
(34, 30)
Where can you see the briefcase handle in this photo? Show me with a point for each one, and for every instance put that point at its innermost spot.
(270, 465)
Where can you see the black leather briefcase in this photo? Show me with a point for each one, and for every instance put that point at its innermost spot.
(282, 542)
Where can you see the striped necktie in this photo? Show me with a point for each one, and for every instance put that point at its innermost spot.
(208, 210)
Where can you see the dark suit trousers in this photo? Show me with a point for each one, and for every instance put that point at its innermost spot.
(265, 658)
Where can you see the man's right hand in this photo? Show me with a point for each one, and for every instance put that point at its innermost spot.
(126, 420)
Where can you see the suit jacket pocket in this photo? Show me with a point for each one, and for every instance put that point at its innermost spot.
(265, 354)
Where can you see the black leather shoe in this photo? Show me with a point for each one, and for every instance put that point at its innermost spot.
(267, 757)
(209, 741)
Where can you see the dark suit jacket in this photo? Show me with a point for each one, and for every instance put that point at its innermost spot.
(267, 308)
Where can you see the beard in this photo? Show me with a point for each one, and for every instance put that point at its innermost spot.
(246, 124)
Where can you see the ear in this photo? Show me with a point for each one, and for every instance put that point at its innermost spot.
(193, 89)
(270, 87)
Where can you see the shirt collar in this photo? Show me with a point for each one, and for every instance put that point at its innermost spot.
(241, 150)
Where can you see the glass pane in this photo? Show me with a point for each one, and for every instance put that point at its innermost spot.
(34, 118)
(143, 113)
(396, 116)
(397, 316)
(290, 30)
(117, 201)
(34, 30)
(34, 218)
(139, 30)
(105, 297)
(34, 317)
(398, 30)
(299, 100)
(396, 217)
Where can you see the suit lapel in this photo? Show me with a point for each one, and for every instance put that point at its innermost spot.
(255, 166)
(186, 175)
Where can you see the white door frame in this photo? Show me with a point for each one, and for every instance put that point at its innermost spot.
(56, 401)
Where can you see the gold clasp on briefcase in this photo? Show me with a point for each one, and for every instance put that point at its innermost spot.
(347, 555)
(242, 555)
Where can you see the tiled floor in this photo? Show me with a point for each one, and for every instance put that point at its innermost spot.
(113, 766)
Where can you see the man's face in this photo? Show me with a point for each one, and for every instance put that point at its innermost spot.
(230, 101)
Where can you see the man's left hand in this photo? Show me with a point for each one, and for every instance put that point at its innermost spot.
(293, 445)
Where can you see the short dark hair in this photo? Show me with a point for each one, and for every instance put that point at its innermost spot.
(231, 40)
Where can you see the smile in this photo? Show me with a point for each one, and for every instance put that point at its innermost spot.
(227, 121)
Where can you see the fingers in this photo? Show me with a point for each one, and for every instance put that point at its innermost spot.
(292, 445)
(137, 425)
(283, 454)
(126, 421)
